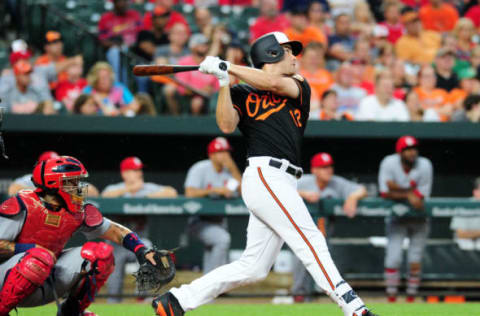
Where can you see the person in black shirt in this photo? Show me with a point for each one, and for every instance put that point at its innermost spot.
(446, 77)
(271, 110)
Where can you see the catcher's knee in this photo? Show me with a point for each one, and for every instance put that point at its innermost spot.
(102, 254)
(36, 265)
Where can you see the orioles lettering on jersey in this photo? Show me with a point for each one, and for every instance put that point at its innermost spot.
(261, 107)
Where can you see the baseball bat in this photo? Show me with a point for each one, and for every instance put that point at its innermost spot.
(153, 70)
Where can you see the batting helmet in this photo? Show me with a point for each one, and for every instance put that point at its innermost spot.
(62, 176)
(267, 49)
(405, 142)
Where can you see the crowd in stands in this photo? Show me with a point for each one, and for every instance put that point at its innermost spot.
(391, 60)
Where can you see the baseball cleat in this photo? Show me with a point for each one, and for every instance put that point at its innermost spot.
(87, 313)
(365, 312)
(167, 305)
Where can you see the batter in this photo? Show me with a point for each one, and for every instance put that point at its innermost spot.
(271, 111)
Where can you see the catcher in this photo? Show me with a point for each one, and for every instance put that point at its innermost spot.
(35, 268)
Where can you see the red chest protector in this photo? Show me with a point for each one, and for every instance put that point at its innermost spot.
(46, 228)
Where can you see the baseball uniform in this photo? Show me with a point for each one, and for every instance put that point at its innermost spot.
(419, 178)
(337, 188)
(122, 255)
(210, 230)
(273, 127)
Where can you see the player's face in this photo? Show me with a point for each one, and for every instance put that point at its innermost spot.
(288, 65)
(132, 175)
(323, 174)
(410, 155)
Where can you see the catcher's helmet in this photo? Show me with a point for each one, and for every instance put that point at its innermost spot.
(62, 176)
(267, 49)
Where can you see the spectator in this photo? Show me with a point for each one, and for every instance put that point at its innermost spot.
(270, 20)
(470, 111)
(341, 43)
(25, 182)
(342, 7)
(468, 85)
(328, 109)
(363, 70)
(85, 105)
(401, 79)
(407, 177)
(163, 8)
(467, 229)
(172, 52)
(217, 35)
(215, 177)
(474, 14)
(72, 86)
(144, 50)
(416, 46)
(119, 28)
(446, 78)
(312, 68)
(301, 31)
(133, 186)
(382, 106)
(24, 97)
(145, 104)
(464, 31)
(416, 113)
(438, 16)
(430, 96)
(363, 21)
(475, 59)
(392, 21)
(348, 96)
(235, 54)
(198, 45)
(317, 16)
(323, 184)
(112, 97)
(415, 4)
(386, 58)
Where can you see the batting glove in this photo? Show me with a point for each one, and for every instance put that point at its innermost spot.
(218, 68)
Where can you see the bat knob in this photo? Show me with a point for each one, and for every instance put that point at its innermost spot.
(222, 66)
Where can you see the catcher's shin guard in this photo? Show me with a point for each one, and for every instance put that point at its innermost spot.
(167, 305)
(22, 280)
(100, 256)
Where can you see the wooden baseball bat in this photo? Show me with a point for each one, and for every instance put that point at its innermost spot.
(153, 70)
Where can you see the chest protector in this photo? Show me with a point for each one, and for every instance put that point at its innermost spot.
(44, 227)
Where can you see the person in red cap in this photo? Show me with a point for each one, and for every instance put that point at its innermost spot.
(215, 177)
(405, 177)
(133, 185)
(25, 182)
(322, 183)
(24, 96)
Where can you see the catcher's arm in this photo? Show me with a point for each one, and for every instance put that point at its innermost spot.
(123, 236)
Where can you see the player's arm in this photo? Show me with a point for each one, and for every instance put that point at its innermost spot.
(262, 80)
(113, 193)
(128, 239)
(166, 192)
(227, 117)
(7, 248)
(14, 188)
(467, 234)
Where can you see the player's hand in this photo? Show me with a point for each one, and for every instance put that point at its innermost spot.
(415, 201)
(222, 191)
(350, 207)
(217, 67)
(311, 197)
(149, 257)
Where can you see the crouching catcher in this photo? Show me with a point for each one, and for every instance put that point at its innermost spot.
(35, 268)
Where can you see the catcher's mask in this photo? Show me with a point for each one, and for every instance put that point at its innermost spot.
(62, 176)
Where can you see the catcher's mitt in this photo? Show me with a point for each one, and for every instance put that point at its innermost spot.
(150, 277)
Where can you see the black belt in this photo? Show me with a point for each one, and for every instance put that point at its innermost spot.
(297, 173)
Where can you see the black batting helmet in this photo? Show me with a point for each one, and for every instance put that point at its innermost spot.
(267, 49)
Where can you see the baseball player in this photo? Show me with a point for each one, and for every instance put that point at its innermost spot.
(271, 110)
(133, 185)
(323, 184)
(404, 176)
(216, 177)
(36, 224)
(25, 181)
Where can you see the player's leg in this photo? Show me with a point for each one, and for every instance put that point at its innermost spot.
(418, 233)
(302, 281)
(217, 243)
(284, 210)
(263, 246)
(21, 275)
(396, 233)
(115, 281)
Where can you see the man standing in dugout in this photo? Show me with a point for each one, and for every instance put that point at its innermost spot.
(271, 111)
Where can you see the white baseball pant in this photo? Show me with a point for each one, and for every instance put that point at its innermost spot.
(277, 215)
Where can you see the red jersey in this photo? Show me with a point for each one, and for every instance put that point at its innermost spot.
(175, 17)
(265, 25)
(395, 31)
(67, 92)
(126, 26)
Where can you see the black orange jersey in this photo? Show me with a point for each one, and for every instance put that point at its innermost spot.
(273, 125)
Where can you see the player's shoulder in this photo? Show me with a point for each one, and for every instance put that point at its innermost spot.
(114, 186)
(390, 159)
(306, 178)
(12, 206)
(202, 165)
(424, 161)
